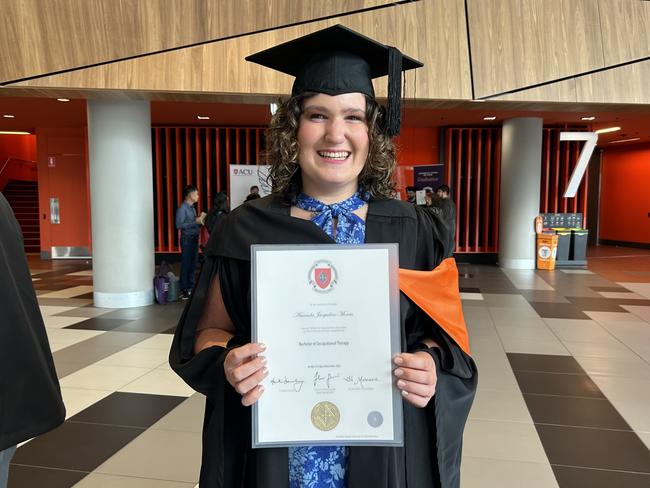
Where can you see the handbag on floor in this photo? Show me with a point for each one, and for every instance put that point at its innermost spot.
(161, 284)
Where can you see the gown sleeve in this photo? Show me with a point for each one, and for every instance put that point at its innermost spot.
(457, 374)
(204, 372)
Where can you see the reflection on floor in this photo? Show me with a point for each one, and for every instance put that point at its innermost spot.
(563, 399)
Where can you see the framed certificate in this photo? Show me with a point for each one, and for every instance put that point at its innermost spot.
(329, 316)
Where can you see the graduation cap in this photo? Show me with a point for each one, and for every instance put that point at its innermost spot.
(338, 60)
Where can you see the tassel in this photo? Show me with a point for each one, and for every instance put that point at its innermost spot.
(394, 114)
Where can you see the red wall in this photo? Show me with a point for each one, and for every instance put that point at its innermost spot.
(20, 147)
(415, 146)
(625, 194)
(67, 180)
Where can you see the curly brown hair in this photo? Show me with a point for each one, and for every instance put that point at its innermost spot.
(376, 177)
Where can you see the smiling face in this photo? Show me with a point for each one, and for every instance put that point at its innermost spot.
(333, 145)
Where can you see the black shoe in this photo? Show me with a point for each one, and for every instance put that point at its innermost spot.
(185, 295)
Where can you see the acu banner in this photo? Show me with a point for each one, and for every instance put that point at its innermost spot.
(242, 177)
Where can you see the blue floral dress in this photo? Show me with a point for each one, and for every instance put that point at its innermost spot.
(325, 466)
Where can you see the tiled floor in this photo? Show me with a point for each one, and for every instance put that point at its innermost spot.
(563, 398)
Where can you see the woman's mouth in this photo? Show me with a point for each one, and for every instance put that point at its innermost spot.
(334, 155)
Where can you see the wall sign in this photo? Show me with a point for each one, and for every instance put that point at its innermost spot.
(590, 139)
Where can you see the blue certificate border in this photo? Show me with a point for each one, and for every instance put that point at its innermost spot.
(395, 338)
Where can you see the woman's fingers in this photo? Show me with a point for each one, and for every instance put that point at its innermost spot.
(418, 360)
(416, 400)
(242, 372)
(251, 382)
(252, 396)
(411, 388)
(416, 377)
(243, 353)
(242, 362)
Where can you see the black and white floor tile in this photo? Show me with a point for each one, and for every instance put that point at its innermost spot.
(563, 398)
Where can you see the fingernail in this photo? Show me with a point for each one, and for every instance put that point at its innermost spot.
(261, 387)
(399, 372)
(401, 384)
(265, 370)
(398, 360)
(263, 359)
(262, 345)
(405, 393)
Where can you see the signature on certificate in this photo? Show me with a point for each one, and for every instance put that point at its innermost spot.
(295, 383)
(360, 381)
(328, 380)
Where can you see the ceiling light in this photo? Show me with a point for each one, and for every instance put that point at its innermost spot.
(203, 117)
(591, 117)
(14, 133)
(8, 116)
(491, 117)
(625, 140)
(478, 100)
(63, 99)
(608, 129)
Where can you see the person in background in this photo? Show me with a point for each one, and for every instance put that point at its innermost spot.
(190, 226)
(220, 207)
(448, 208)
(30, 396)
(410, 194)
(254, 193)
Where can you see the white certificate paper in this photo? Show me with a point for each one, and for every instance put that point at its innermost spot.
(329, 316)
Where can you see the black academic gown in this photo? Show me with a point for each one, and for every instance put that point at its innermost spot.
(30, 397)
(433, 435)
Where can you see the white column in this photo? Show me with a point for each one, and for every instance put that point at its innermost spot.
(121, 198)
(521, 166)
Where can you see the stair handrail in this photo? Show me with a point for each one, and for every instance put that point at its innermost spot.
(15, 159)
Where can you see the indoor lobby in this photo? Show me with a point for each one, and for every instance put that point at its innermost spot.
(534, 114)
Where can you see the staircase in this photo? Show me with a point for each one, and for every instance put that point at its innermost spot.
(23, 198)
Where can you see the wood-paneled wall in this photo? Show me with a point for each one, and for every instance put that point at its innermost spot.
(44, 36)
(431, 31)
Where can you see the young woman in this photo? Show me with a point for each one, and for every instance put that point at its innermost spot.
(332, 162)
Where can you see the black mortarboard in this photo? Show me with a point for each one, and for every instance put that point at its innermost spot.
(339, 60)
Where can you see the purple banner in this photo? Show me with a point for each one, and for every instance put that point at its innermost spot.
(428, 175)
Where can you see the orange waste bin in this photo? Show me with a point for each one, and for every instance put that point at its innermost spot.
(546, 251)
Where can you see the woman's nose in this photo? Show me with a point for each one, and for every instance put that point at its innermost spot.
(335, 131)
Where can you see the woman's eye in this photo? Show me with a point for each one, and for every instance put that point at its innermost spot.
(316, 117)
(355, 118)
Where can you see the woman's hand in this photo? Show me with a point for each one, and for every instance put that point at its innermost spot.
(245, 369)
(416, 377)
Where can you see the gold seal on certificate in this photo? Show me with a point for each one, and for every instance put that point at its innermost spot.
(329, 316)
(325, 416)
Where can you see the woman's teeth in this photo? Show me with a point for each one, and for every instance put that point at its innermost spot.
(339, 155)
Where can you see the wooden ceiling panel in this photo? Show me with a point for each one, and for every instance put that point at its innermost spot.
(626, 30)
(429, 30)
(46, 36)
(625, 84)
(519, 43)
(561, 91)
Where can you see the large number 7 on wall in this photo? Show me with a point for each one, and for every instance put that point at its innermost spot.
(590, 139)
